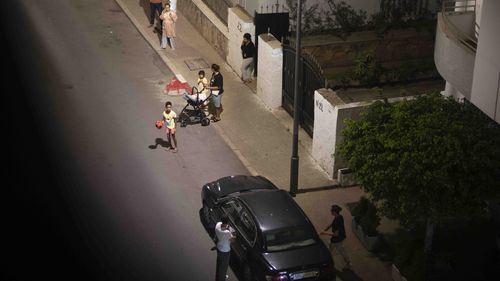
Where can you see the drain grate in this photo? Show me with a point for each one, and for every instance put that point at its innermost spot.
(195, 64)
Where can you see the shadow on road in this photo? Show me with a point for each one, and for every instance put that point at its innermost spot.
(159, 141)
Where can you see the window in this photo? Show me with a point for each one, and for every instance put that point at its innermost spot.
(241, 219)
(288, 238)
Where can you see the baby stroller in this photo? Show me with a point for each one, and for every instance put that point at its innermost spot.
(198, 101)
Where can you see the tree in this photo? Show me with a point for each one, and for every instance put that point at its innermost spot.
(425, 160)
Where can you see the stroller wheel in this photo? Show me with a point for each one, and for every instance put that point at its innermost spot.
(183, 123)
(205, 121)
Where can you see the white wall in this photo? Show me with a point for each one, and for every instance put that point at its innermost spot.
(238, 23)
(329, 115)
(270, 70)
(486, 82)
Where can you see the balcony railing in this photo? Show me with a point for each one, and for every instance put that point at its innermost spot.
(457, 7)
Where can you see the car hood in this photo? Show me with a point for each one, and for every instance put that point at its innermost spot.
(300, 258)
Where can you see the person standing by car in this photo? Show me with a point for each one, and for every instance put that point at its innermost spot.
(337, 234)
(224, 239)
(247, 52)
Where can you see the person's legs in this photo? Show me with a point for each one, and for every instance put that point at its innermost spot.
(222, 265)
(174, 141)
(172, 42)
(164, 41)
(246, 69)
(218, 109)
(339, 247)
(152, 13)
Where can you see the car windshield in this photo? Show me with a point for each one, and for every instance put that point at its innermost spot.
(288, 238)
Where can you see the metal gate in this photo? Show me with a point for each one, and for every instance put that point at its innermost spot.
(274, 23)
(310, 79)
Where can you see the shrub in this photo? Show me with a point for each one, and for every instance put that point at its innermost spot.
(367, 68)
(365, 214)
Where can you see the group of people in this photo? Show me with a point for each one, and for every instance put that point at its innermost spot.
(168, 17)
(214, 89)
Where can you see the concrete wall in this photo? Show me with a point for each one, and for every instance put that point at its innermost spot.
(270, 70)
(239, 22)
(486, 83)
(453, 61)
(329, 115)
(398, 45)
(209, 25)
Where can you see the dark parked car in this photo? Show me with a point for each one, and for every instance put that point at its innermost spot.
(275, 239)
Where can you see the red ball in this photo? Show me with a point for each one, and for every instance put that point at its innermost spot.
(158, 124)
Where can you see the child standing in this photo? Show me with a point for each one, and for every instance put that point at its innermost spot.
(204, 92)
(169, 117)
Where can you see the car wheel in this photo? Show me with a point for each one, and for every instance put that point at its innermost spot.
(247, 273)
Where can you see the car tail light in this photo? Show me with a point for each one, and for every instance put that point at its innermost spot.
(279, 277)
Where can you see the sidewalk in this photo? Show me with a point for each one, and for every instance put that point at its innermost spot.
(262, 139)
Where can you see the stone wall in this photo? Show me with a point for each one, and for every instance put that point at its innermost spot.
(399, 45)
(208, 24)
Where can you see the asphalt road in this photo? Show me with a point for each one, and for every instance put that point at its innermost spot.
(94, 194)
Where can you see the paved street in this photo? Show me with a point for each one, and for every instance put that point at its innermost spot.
(97, 89)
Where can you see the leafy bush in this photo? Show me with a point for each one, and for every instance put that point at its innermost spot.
(365, 214)
(367, 68)
(343, 18)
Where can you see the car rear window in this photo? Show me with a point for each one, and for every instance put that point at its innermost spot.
(288, 238)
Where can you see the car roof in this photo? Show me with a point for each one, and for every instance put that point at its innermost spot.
(274, 209)
(240, 183)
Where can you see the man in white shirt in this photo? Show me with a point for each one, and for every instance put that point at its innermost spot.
(224, 239)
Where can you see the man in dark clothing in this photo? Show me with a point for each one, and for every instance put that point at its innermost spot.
(154, 8)
(217, 87)
(338, 234)
(247, 52)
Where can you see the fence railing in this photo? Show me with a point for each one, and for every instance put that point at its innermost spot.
(219, 7)
(456, 7)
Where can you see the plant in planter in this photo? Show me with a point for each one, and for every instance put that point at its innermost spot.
(365, 223)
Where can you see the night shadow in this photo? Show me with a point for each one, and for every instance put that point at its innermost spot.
(159, 141)
(347, 275)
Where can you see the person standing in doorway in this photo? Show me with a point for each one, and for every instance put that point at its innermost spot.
(169, 18)
(247, 51)
(155, 9)
(338, 234)
(224, 239)
(217, 87)
(169, 117)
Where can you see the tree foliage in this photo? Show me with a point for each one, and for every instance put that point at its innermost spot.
(425, 159)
